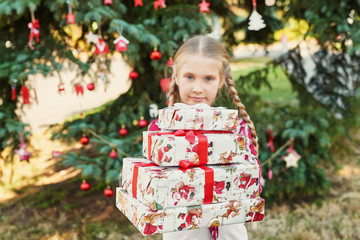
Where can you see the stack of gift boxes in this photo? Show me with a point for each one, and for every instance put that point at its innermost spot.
(195, 173)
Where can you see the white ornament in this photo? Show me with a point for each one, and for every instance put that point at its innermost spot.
(153, 111)
(256, 22)
(292, 159)
(269, 3)
(91, 37)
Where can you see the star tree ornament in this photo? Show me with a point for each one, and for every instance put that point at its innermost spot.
(91, 37)
(292, 156)
(70, 17)
(255, 20)
(204, 6)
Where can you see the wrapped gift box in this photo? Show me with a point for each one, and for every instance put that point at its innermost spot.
(195, 147)
(150, 222)
(197, 117)
(159, 188)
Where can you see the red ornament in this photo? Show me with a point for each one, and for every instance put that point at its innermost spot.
(271, 137)
(133, 75)
(90, 86)
(123, 131)
(138, 3)
(25, 94)
(108, 192)
(155, 55)
(159, 3)
(142, 122)
(79, 89)
(338, 37)
(61, 88)
(101, 47)
(170, 62)
(165, 84)
(70, 18)
(13, 93)
(270, 174)
(204, 6)
(110, 2)
(85, 186)
(34, 32)
(113, 154)
(84, 140)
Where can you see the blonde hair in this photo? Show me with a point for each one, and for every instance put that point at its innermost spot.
(210, 47)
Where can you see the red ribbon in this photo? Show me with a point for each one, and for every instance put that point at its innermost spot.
(190, 135)
(135, 174)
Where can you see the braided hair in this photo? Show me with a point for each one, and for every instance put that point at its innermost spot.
(210, 47)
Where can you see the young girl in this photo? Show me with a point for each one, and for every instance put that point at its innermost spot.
(201, 68)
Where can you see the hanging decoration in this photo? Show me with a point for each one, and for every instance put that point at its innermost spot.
(133, 75)
(269, 3)
(13, 92)
(165, 84)
(113, 154)
(84, 140)
(108, 2)
(292, 156)
(121, 44)
(90, 86)
(142, 122)
(138, 3)
(170, 62)
(70, 17)
(61, 88)
(22, 152)
(79, 89)
(204, 6)
(270, 137)
(34, 27)
(255, 20)
(159, 3)
(153, 110)
(108, 192)
(123, 131)
(101, 47)
(91, 37)
(25, 94)
(84, 186)
(155, 55)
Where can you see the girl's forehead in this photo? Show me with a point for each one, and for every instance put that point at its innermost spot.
(195, 60)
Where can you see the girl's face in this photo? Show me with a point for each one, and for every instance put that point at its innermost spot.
(199, 79)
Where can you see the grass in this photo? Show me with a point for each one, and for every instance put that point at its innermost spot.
(281, 90)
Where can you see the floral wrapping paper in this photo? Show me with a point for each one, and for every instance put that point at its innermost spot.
(150, 222)
(197, 117)
(158, 187)
(172, 149)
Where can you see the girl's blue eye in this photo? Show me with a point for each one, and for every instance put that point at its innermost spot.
(189, 77)
(208, 79)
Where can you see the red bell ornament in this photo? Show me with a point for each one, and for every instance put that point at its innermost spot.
(113, 154)
(70, 18)
(170, 62)
(133, 75)
(142, 122)
(85, 186)
(108, 2)
(155, 55)
(123, 131)
(90, 86)
(108, 192)
(84, 140)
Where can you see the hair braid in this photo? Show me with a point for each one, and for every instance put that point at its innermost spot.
(245, 116)
(173, 92)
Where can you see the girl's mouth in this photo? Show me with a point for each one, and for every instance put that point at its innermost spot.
(197, 99)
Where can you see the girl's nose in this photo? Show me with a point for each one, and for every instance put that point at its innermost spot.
(197, 86)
